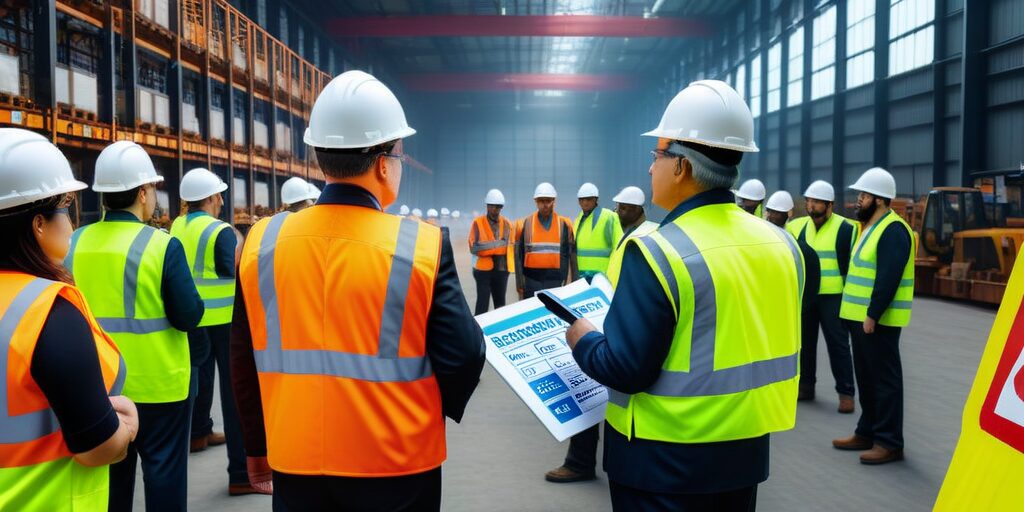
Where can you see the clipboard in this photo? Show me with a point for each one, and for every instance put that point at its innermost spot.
(556, 306)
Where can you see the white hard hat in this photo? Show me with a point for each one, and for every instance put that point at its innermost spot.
(431, 213)
(708, 112)
(445, 211)
(456, 214)
(199, 183)
(31, 169)
(780, 201)
(630, 195)
(403, 210)
(587, 190)
(820, 190)
(876, 181)
(123, 166)
(416, 212)
(494, 196)
(545, 190)
(355, 110)
(296, 190)
(752, 190)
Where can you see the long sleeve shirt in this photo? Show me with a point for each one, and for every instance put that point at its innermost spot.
(223, 250)
(893, 253)
(454, 342)
(500, 262)
(628, 357)
(567, 270)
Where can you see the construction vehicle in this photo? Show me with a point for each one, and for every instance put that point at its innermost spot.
(960, 254)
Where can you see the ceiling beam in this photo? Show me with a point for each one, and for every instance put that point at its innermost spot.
(460, 82)
(519, 26)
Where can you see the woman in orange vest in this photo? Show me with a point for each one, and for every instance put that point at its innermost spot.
(545, 247)
(489, 238)
(59, 429)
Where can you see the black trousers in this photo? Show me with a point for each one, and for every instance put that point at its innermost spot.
(876, 361)
(162, 444)
(824, 312)
(413, 493)
(627, 499)
(490, 284)
(219, 338)
(532, 286)
(582, 454)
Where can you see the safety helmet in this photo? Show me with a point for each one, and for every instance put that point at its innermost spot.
(545, 190)
(431, 213)
(711, 113)
(200, 183)
(416, 212)
(780, 201)
(876, 181)
(752, 190)
(630, 195)
(122, 166)
(445, 212)
(587, 190)
(296, 190)
(31, 169)
(403, 210)
(456, 214)
(355, 110)
(820, 190)
(494, 196)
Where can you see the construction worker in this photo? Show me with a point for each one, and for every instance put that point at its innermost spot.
(139, 285)
(545, 248)
(59, 428)
(445, 213)
(832, 237)
(210, 245)
(417, 214)
(877, 299)
(432, 217)
(298, 194)
(489, 239)
(778, 209)
(355, 340)
(597, 230)
(751, 194)
(629, 204)
(700, 345)
(403, 211)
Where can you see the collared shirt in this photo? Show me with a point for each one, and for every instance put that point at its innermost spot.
(223, 249)
(628, 357)
(455, 344)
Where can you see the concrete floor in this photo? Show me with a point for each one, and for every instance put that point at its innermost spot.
(498, 455)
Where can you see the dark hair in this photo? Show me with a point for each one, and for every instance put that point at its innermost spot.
(885, 200)
(20, 251)
(349, 163)
(195, 206)
(718, 155)
(120, 200)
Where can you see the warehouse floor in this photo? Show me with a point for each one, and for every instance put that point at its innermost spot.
(498, 455)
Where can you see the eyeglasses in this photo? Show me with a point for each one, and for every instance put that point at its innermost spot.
(401, 158)
(661, 153)
(64, 206)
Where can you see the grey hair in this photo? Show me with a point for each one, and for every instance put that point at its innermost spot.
(708, 173)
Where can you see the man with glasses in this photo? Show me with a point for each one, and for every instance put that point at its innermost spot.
(138, 285)
(489, 238)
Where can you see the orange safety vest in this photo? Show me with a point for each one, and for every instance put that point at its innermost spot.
(543, 247)
(29, 432)
(482, 239)
(338, 316)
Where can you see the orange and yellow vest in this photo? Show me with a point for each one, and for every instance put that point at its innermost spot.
(484, 246)
(543, 247)
(338, 315)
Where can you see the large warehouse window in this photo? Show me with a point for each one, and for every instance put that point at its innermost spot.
(775, 76)
(823, 57)
(911, 35)
(755, 85)
(860, 43)
(795, 95)
(741, 81)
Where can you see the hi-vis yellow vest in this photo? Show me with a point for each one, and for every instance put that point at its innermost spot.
(824, 242)
(860, 280)
(595, 239)
(615, 262)
(199, 236)
(735, 283)
(119, 267)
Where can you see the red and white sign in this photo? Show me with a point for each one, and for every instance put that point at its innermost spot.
(1002, 414)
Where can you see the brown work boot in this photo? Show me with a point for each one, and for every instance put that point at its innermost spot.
(198, 444)
(242, 489)
(216, 439)
(845, 404)
(853, 442)
(562, 475)
(879, 454)
(805, 395)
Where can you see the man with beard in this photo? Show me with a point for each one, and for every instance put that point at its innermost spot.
(876, 304)
(832, 237)
(751, 194)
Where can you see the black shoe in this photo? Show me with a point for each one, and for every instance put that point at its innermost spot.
(563, 475)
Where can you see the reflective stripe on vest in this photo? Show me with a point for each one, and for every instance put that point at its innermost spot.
(543, 247)
(824, 241)
(595, 240)
(386, 366)
(860, 281)
(218, 293)
(615, 262)
(129, 323)
(484, 246)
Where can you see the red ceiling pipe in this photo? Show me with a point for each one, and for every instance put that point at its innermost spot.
(513, 26)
